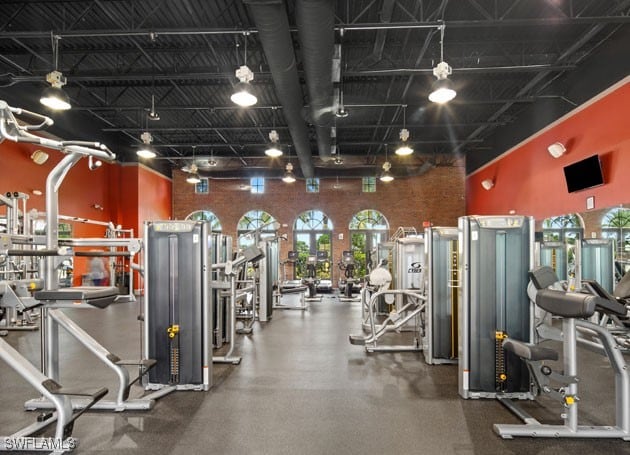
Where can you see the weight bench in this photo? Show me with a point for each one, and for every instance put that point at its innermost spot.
(573, 308)
(52, 318)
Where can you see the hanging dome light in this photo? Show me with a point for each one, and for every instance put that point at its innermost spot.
(243, 94)
(153, 115)
(273, 150)
(443, 91)
(404, 149)
(386, 176)
(288, 177)
(54, 97)
(193, 178)
(146, 151)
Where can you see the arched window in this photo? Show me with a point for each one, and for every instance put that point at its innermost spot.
(252, 221)
(206, 215)
(312, 232)
(616, 225)
(368, 228)
(563, 228)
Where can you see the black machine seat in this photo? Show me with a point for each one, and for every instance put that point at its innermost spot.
(569, 304)
(622, 290)
(529, 351)
(98, 296)
(543, 277)
(612, 305)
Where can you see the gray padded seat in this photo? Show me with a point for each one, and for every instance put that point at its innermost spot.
(543, 277)
(622, 290)
(98, 296)
(529, 351)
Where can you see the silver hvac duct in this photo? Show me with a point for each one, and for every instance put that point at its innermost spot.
(316, 21)
(272, 24)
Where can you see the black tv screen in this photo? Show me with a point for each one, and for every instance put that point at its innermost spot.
(584, 174)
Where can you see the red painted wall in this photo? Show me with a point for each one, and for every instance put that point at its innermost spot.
(531, 182)
(123, 194)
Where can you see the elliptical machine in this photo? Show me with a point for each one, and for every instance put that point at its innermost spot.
(347, 282)
(310, 280)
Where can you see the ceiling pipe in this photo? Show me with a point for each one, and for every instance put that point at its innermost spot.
(316, 21)
(272, 24)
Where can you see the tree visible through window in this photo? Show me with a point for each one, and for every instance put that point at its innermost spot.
(312, 185)
(251, 221)
(369, 184)
(368, 228)
(312, 232)
(616, 225)
(206, 215)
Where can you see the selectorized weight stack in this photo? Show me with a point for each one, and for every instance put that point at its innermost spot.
(496, 253)
(178, 318)
(442, 259)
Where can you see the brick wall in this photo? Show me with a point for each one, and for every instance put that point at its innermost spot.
(437, 196)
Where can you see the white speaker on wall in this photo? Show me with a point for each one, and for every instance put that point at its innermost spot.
(487, 184)
(556, 149)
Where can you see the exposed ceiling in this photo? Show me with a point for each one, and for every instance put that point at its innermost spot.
(380, 54)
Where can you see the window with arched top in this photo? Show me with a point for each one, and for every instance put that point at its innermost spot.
(206, 215)
(252, 221)
(312, 232)
(367, 228)
(563, 228)
(616, 225)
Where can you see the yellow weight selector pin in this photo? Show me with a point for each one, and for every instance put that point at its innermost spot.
(173, 330)
(503, 377)
(569, 400)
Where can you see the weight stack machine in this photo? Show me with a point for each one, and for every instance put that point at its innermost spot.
(496, 253)
(178, 317)
(442, 261)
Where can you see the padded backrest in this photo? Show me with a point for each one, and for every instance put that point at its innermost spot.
(543, 277)
(567, 304)
(622, 290)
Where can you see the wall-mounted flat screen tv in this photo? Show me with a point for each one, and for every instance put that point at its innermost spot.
(584, 174)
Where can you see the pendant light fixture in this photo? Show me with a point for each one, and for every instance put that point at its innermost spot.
(146, 151)
(386, 176)
(443, 91)
(193, 178)
(153, 115)
(288, 176)
(404, 149)
(341, 109)
(54, 96)
(273, 149)
(243, 94)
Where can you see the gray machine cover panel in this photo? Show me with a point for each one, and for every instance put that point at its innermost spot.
(499, 263)
(174, 294)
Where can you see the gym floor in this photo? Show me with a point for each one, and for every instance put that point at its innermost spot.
(301, 388)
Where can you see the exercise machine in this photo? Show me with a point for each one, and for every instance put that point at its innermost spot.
(290, 289)
(442, 262)
(410, 312)
(177, 312)
(348, 266)
(573, 308)
(408, 269)
(229, 288)
(496, 253)
(312, 281)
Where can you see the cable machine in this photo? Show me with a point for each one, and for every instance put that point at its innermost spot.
(442, 260)
(178, 318)
(496, 254)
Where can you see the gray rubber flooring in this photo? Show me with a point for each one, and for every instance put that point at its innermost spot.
(301, 389)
